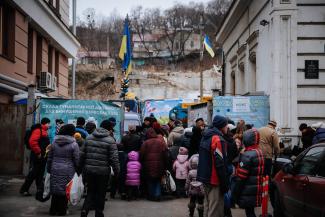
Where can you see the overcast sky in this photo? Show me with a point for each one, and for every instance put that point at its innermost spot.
(122, 7)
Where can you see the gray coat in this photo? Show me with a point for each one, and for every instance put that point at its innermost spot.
(99, 153)
(62, 162)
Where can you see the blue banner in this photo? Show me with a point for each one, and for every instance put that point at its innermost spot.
(252, 109)
(70, 110)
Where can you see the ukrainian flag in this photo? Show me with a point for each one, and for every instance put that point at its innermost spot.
(125, 50)
(208, 45)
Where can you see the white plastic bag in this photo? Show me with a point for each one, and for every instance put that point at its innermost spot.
(47, 183)
(75, 189)
(167, 183)
(171, 182)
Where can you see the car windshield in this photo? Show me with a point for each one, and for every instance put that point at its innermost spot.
(128, 122)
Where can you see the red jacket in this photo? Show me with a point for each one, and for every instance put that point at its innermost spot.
(35, 139)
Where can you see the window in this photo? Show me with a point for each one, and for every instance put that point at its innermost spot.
(57, 65)
(30, 51)
(50, 59)
(192, 44)
(321, 169)
(7, 31)
(57, 5)
(39, 54)
(308, 164)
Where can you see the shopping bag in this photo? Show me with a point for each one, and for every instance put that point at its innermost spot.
(75, 189)
(171, 182)
(167, 183)
(47, 183)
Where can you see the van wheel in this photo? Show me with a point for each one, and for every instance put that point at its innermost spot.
(278, 208)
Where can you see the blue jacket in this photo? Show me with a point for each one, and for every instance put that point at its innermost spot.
(84, 134)
(319, 136)
(212, 168)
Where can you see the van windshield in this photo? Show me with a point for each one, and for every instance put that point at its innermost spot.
(128, 122)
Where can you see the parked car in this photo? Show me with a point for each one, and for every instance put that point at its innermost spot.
(298, 190)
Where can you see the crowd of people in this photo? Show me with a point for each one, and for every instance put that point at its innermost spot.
(216, 166)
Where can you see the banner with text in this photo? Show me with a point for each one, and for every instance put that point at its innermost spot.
(70, 110)
(252, 109)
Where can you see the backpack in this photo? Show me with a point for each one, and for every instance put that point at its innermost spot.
(28, 134)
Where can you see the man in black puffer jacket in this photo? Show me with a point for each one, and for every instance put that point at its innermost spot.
(249, 174)
(98, 155)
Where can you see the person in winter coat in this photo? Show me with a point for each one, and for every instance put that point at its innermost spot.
(269, 144)
(160, 133)
(97, 157)
(194, 188)
(38, 142)
(80, 127)
(249, 174)
(181, 168)
(307, 135)
(319, 135)
(197, 131)
(153, 157)
(212, 169)
(58, 124)
(133, 175)
(62, 164)
(90, 127)
(131, 141)
(176, 133)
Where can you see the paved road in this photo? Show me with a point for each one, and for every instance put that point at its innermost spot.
(13, 205)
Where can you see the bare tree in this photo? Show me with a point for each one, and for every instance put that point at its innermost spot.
(144, 23)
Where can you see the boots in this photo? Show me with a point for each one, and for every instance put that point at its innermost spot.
(191, 208)
(200, 209)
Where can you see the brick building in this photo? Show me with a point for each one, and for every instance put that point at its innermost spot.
(35, 40)
(35, 45)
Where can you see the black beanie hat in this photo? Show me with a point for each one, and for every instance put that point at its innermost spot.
(68, 129)
(45, 121)
(219, 121)
(112, 121)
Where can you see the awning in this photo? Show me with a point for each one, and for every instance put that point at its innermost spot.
(22, 98)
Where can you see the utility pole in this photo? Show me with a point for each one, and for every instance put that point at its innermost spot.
(74, 15)
(201, 26)
(29, 123)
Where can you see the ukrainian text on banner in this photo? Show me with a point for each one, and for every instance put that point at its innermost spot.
(160, 109)
(70, 110)
(252, 109)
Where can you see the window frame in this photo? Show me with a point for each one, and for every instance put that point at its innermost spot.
(30, 51)
(298, 161)
(8, 27)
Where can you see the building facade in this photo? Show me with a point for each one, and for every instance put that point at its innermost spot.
(35, 44)
(277, 47)
(35, 41)
(159, 45)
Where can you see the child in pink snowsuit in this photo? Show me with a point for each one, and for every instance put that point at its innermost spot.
(181, 168)
(133, 175)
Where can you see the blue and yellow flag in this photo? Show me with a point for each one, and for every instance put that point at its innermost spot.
(126, 50)
(208, 45)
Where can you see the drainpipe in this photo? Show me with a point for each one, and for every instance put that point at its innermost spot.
(74, 12)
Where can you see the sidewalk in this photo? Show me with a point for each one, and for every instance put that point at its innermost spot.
(14, 205)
